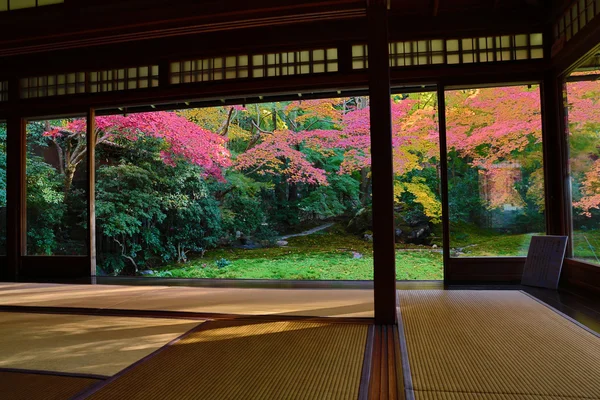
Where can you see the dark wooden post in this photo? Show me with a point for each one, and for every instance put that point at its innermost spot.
(16, 224)
(381, 164)
(164, 74)
(444, 179)
(555, 147)
(91, 192)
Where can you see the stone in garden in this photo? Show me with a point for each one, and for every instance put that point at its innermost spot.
(420, 234)
(281, 243)
(361, 222)
(356, 255)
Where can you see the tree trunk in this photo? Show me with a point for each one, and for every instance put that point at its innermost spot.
(365, 181)
(274, 119)
(280, 192)
(69, 174)
(292, 192)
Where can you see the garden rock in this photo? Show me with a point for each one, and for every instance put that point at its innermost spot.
(361, 222)
(281, 243)
(356, 255)
(147, 272)
(420, 234)
(249, 245)
(368, 237)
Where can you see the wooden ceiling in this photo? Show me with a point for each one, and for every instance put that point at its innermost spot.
(436, 8)
(80, 24)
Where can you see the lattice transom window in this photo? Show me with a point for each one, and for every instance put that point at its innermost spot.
(140, 77)
(295, 63)
(52, 85)
(575, 17)
(457, 51)
(418, 52)
(495, 48)
(360, 56)
(209, 69)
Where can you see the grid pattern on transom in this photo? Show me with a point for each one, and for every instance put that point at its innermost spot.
(575, 17)
(132, 78)
(111, 80)
(302, 62)
(457, 51)
(209, 69)
(52, 85)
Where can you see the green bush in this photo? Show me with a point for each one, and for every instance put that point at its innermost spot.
(222, 263)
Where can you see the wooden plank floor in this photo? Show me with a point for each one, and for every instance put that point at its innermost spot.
(386, 369)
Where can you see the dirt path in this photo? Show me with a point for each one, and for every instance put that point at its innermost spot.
(308, 232)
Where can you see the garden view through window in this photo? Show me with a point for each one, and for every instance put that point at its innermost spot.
(417, 194)
(56, 169)
(495, 170)
(255, 191)
(582, 99)
(283, 190)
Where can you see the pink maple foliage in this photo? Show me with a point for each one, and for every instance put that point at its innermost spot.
(492, 125)
(279, 154)
(184, 139)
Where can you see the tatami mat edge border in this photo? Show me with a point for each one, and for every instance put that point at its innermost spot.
(406, 374)
(365, 380)
(54, 373)
(89, 391)
(200, 316)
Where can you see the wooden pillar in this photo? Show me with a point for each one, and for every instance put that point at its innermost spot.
(555, 147)
(382, 168)
(91, 188)
(16, 222)
(444, 179)
(164, 74)
(344, 57)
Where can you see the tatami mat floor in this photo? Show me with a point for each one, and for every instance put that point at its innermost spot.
(498, 345)
(250, 360)
(32, 386)
(356, 303)
(81, 343)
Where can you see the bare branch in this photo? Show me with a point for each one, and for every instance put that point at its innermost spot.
(225, 127)
(126, 256)
(258, 128)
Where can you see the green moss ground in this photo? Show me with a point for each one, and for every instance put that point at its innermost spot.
(330, 255)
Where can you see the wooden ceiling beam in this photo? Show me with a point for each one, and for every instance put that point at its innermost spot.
(582, 45)
(251, 89)
(83, 27)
